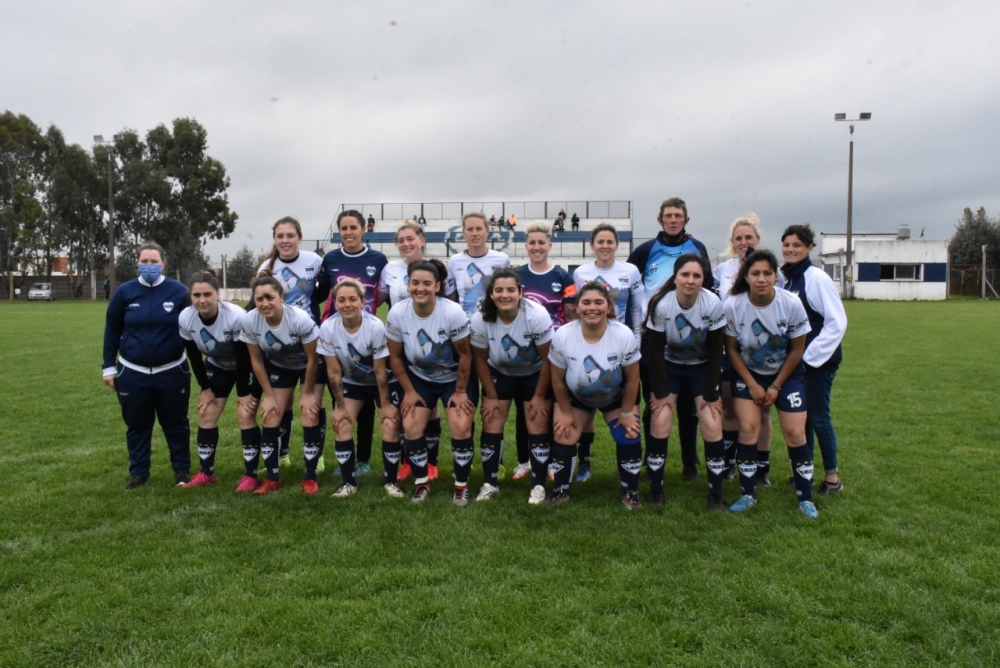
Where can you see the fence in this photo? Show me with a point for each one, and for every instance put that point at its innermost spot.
(967, 281)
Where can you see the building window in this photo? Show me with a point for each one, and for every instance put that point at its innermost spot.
(900, 272)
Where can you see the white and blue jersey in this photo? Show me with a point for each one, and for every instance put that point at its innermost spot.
(394, 282)
(513, 348)
(281, 345)
(624, 285)
(686, 330)
(467, 276)
(552, 289)
(594, 370)
(655, 259)
(215, 341)
(365, 267)
(297, 277)
(763, 333)
(725, 274)
(428, 342)
(355, 351)
(826, 313)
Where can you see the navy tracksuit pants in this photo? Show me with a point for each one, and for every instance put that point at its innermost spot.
(145, 398)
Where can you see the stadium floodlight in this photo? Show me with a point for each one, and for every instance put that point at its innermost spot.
(847, 276)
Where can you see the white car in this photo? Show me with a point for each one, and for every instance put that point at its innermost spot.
(41, 291)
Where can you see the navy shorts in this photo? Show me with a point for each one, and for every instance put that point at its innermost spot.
(511, 387)
(687, 376)
(282, 378)
(791, 396)
(220, 381)
(612, 406)
(366, 393)
(432, 393)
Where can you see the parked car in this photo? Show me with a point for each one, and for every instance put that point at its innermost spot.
(41, 291)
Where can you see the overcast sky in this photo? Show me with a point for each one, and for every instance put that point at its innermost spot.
(728, 105)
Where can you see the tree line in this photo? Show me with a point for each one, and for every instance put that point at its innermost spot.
(973, 231)
(54, 199)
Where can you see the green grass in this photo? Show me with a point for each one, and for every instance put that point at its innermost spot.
(900, 569)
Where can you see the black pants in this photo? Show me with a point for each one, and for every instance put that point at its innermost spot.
(146, 398)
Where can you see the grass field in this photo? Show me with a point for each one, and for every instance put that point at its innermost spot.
(900, 569)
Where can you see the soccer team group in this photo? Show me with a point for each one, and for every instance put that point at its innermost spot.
(718, 348)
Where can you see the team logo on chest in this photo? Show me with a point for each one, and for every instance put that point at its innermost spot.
(557, 287)
(370, 270)
(612, 358)
(168, 306)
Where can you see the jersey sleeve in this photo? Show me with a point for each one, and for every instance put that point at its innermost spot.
(824, 299)
(477, 326)
(658, 323)
(557, 356)
(393, 330)
(380, 349)
(636, 297)
(539, 323)
(305, 327)
(324, 346)
(729, 308)
(184, 322)
(630, 351)
(798, 321)
(713, 308)
(458, 323)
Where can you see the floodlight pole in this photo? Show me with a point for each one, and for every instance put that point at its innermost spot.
(847, 278)
(99, 140)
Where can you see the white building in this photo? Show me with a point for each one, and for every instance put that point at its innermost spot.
(890, 266)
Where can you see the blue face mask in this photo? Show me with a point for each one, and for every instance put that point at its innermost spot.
(150, 272)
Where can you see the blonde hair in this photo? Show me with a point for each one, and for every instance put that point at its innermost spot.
(351, 283)
(750, 220)
(538, 226)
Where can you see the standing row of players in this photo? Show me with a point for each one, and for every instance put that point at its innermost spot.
(431, 359)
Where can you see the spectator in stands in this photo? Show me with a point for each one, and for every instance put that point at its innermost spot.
(512, 221)
(655, 260)
(493, 221)
(502, 221)
(422, 222)
(575, 220)
(371, 223)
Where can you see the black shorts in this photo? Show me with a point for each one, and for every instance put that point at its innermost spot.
(365, 393)
(690, 377)
(791, 396)
(432, 393)
(512, 387)
(220, 381)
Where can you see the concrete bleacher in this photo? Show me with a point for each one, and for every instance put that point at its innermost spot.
(444, 238)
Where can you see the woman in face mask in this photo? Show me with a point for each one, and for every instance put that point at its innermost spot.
(144, 363)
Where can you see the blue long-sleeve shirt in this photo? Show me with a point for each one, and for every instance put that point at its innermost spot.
(141, 324)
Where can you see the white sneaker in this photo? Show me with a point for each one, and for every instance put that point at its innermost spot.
(522, 471)
(394, 491)
(487, 492)
(345, 490)
(537, 496)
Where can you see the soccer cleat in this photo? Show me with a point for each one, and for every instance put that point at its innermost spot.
(321, 465)
(584, 474)
(432, 472)
(827, 488)
(808, 509)
(404, 472)
(137, 481)
(521, 471)
(268, 486)
(557, 499)
(201, 479)
(537, 495)
(631, 501)
(394, 491)
(363, 468)
(690, 472)
(310, 487)
(247, 484)
(285, 461)
(488, 492)
(656, 499)
(421, 493)
(344, 491)
(460, 496)
(763, 480)
(182, 478)
(744, 503)
(716, 502)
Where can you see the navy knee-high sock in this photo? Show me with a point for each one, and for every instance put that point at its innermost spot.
(715, 465)
(764, 461)
(392, 452)
(366, 431)
(490, 453)
(746, 463)
(801, 458)
(656, 461)
(322, 425)
(433, 435)
(562, 460)
(586, 447)
(629, 456)
(269, 450)
(345, 457)
(521, 430)
(285, 433)
(208, 441)
(540, 448)
(462, 452)
(416, 454)
(730, 440)
(312, 449)
(251, 450)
